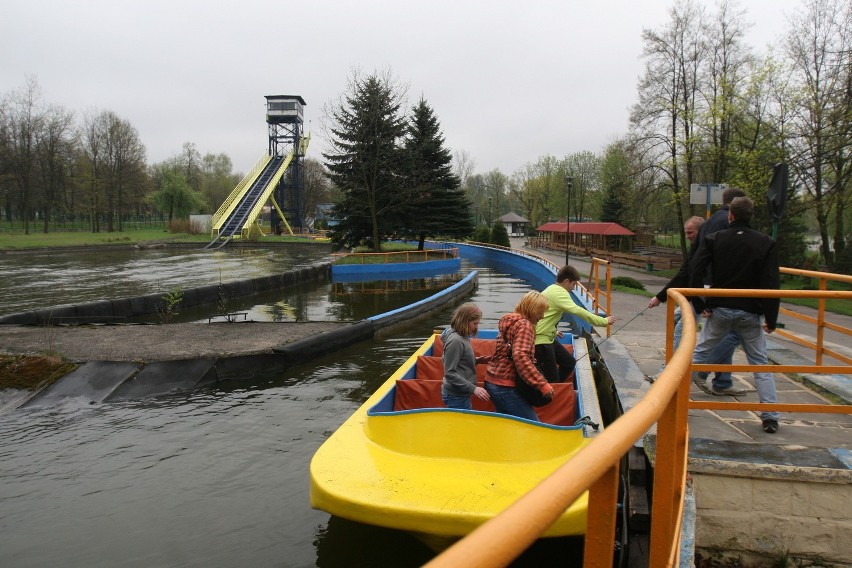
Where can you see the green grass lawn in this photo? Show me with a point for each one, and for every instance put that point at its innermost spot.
(17, 240)
(843, 307)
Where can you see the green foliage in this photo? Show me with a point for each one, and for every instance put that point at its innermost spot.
(390, 246)
(170, 301)
(615, 183)
(175, 198)
(500, 236)
(481, 234)
(627, 282)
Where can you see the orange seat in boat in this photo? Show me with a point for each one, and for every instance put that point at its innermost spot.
(480, 346)
(431, 368)
(425, 393)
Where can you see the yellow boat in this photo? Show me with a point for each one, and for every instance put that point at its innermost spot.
(405, 461)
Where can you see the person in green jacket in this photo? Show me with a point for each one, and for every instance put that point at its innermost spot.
(554, 361)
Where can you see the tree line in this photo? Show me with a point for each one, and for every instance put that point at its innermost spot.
(708, 109)
(711, 110)
(58, 167)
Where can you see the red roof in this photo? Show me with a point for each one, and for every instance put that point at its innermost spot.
(607, 229)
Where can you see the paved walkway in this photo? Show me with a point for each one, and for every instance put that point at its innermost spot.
(640, 332)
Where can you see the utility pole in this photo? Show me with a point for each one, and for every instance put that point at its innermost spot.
(569, 183)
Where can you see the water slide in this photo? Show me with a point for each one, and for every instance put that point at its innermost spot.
(240, 211)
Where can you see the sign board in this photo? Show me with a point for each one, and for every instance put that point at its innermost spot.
(698, 193)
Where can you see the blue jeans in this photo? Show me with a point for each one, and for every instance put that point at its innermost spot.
(506, 400)
(749, 329)
(722, 354)
(460, 402)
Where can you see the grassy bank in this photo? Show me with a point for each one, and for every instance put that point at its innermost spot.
(15, 240)
(32, 372)
(10, 240)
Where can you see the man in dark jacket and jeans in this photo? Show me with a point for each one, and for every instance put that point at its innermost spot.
(740, 258)
(722, 383)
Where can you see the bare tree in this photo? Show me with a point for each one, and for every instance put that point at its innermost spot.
(318, 188)
(91, 160)
(464, 166)
(663, 122)
(819, 52)
(217, 179)
(584, 169)
(727, 63)
(123, 167)
(22, 119)
(55, 155)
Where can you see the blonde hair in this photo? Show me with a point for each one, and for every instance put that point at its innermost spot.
(532, 305)
(464, 317)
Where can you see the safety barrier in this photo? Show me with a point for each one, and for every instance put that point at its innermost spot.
(595, 285)
(820, 321)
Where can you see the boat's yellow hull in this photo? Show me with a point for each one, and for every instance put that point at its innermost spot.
(438, 471)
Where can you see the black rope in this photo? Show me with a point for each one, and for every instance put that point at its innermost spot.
(625, 324)
(587, 421)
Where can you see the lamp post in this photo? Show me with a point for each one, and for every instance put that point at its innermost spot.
(490, 218)
(569, 183)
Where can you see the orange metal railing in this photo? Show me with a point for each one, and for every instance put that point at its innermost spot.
(597, 291)
(592, 292)
(595, 467)
(394, 257)
(820, 321)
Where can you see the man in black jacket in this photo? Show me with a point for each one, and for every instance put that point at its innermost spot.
(721, 383)
(740, 258)
(724, 350)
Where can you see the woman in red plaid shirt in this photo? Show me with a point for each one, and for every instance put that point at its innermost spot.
(517, 329)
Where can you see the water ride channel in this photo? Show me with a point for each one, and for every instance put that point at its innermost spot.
(216, 476)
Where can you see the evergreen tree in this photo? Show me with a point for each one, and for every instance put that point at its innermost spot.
(366, 161)
(438, 205)
(499, 235)
(482, 234)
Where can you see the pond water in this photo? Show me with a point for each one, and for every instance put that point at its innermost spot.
(218, 476)
(40, 279)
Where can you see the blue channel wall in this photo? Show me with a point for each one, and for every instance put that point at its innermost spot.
(393, 271)
(538, 272)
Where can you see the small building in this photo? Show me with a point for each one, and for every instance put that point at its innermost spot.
(585, 236)
(515, 225)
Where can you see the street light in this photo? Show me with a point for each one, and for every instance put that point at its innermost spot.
(490, 218)
(569, 183)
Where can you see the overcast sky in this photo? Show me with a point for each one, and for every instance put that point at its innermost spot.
(510, 81)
